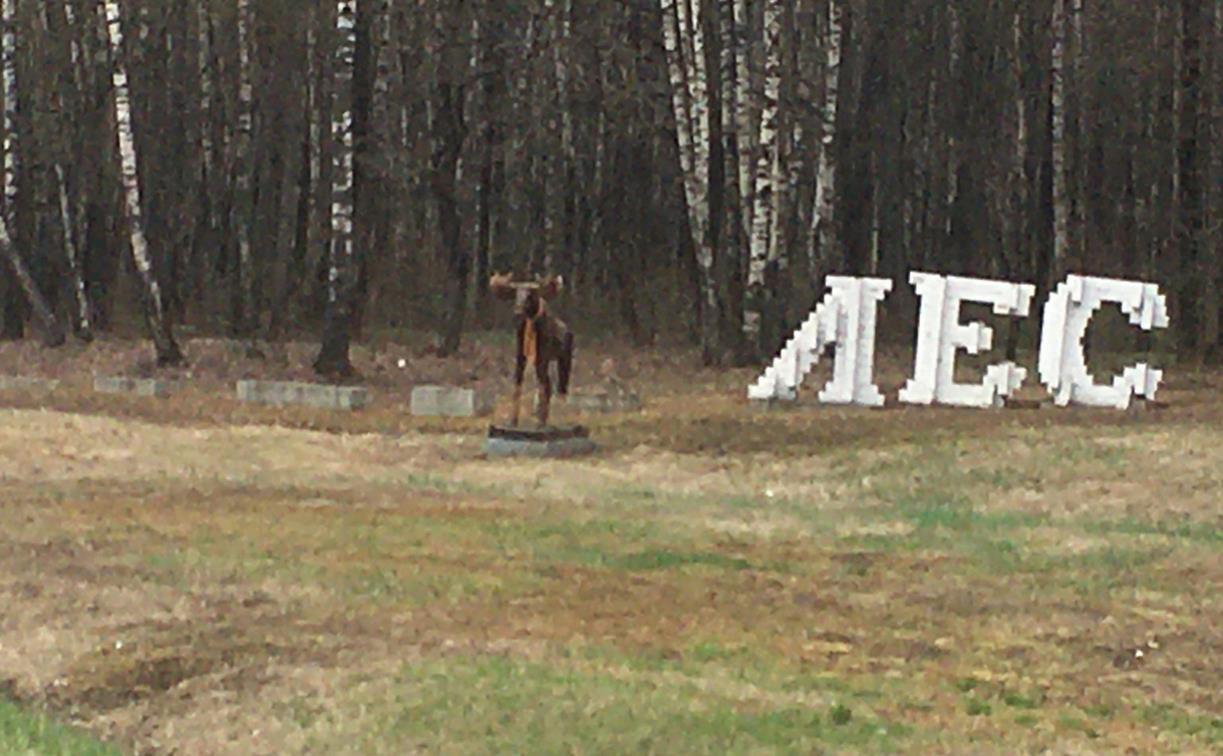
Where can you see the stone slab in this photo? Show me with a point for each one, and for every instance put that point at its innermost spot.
(538, 442)
(119, 384)
(27, 383)
(450, 401)
(321, 395)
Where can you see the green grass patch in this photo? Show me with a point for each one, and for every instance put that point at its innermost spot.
(505, 705)
(975, 707)
(1201, 532)
(1171, 718)
(22, 732)
(1021, 701)
(662, 559)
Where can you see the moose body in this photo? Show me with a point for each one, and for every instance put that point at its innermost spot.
(541, 339)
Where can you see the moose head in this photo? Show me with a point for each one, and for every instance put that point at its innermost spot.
(541, 337)
(528, 296)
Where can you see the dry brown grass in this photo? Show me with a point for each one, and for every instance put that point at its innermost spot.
(196, 575)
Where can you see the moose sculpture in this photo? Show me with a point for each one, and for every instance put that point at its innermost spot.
(541, 338)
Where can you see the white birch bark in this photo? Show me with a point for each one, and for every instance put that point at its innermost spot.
(690, 101)
(333, 356)
(204, 70)
(341, 132)
(744, 112)
(208, 173)
(167, 350)
(768, 164)
(9, 53)
(1061, 208)
(314, 221)
(823, 216)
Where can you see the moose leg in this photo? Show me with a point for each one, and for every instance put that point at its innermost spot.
(545, 391)
(564, 365)
(520, 366)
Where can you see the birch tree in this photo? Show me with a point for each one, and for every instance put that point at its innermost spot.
(768, 173)
(823, 216)
(744, 112)
(333, 358)
(449, 131)
(1057, 105)
(168, 352)
(69, 90)
(209, 173)
(734, 233)
(52, 331)
(682, 22)
(245, 315)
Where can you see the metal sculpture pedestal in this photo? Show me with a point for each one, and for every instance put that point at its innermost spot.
(550, 441)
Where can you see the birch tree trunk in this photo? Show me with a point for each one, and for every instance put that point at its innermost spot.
(734, 233)
(168, 352)
(449, 131)
(561, 181)
(318, 219)
(823, 215)
(333, 358)
(1057, 104)
(307, 223)
(211, 174)
(243, 208)
(52, 331)
(768, 168)
(744, 112)
(68, 91)
(483, 51)
(682, 21)
(1016, 254)
(1077, 136)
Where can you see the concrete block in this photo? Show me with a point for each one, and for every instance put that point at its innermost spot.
(324, 396)
(450, 401)
(27, 383)
(538, 443)
(118, 384)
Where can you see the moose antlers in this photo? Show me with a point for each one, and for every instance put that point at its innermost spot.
(504, 287)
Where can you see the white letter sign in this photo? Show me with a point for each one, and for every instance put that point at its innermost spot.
(1062, 366)
(940, 334)
(846, 318)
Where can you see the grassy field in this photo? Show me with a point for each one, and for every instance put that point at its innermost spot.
(198, 576)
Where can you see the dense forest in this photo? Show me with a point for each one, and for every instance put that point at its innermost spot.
(329, 169)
